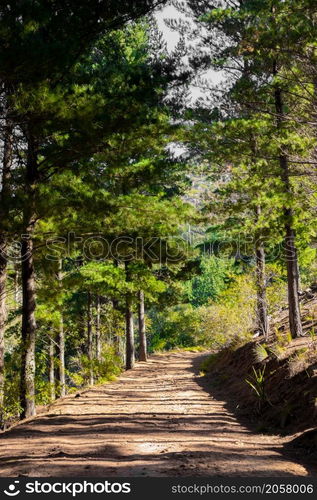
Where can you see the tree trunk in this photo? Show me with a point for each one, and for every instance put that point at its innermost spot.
(129, 325)
(295, 322)
(27, 394)
(90, 340)
(4, 204)
(61, 341)
(98, 333)
(130, 348)
(116, 340)
(52, 369)
(3, 317)
(27, 387)
(142, 334)
(262, 318)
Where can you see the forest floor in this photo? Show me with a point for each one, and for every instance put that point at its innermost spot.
(160, 419)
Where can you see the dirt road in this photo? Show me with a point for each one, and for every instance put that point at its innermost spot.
(156, 420)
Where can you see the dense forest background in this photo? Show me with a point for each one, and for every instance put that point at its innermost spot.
(133, 216)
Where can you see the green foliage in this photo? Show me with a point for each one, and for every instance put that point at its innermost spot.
(211, 282)
(179, 326)
(260, 352)
(257, 384)
(230, 321)
(105, 370)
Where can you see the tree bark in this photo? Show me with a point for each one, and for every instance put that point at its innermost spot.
(61, 358)
(98, 332)
(295, 320)
(52, 369)
(4, 199)
(129, 325)
(142, 333)
(116, 340)
(130, 347)
(291, 257)
(262, 317)
(90, 340)
(61, 341)
(27, 394)
(3, 317)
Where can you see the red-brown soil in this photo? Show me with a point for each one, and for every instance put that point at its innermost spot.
(159, 419)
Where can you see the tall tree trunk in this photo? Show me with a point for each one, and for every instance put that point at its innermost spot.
(27, 394)
(116, 340)
(295, 322)
(4, 206)
(90, 348)
(61, 360)
(61, 341)
(262, 318)
(129, 325)
(52, 369)
(98, 332)
(27, 387)
(130, 347)
(142, 334)
(3, 317)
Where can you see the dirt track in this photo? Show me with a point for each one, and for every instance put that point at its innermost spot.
(156, 420)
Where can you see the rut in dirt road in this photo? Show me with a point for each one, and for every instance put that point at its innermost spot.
(156, 420)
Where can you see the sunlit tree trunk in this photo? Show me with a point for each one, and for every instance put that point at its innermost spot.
(4, 195)
(61, 340)
(116, 340)
(130, 347)
(27, 387)
(3, 316)
(129, 325)
(90, 339)
(98, 330)
(52, 368)
(142, 333)
(262, 317)
(27, 395)
(291, 256)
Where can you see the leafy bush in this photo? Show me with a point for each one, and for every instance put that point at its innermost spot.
(214, 278)
(179, 326)
(231, 321)
(105, 370)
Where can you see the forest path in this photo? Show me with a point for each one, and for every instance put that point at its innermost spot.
(156, 420)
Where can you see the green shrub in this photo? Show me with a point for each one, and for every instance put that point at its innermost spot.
(214, 278)
(178, 326)
(105, 370)
(231, 321)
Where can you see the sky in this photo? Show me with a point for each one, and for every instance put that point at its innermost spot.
(172, 38)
